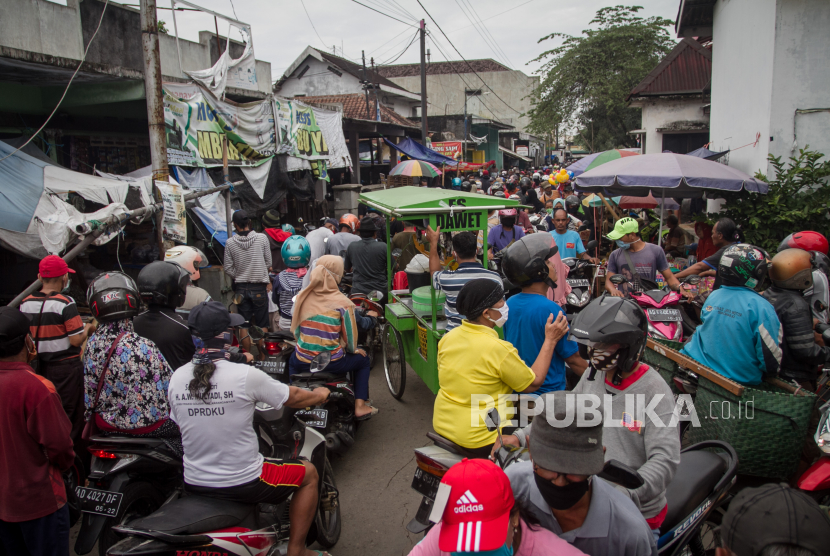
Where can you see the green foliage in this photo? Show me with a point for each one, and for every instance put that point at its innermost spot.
(586, 79)
(798, 199)
(163, 27)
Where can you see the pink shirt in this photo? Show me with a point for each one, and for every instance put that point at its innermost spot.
(535, 542)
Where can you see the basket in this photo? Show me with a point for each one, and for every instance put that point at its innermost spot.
(766, 425)
(422, 340)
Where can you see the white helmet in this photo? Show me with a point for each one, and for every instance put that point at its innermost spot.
(187, 257)
(536, 175)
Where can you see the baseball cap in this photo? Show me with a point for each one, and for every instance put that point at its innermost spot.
(624, 226)
(240, 218)
(478, 508)
(52, 266)
(774, 514)
(570, 449)
(13, 324)
(210, 318)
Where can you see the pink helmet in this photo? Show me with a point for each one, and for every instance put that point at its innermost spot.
(508, 212)
(187, 257)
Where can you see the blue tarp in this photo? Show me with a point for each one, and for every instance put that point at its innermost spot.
(703, 152)
(21, 186)
(417, 151)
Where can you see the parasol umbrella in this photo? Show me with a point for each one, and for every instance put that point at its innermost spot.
(647, 202)
(678, 174)
(415, 168)
(592, 200)
(593, 160)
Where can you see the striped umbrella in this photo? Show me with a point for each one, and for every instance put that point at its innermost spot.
(593, 160)
(415, 168)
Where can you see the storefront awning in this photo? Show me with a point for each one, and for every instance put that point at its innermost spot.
(508, 152)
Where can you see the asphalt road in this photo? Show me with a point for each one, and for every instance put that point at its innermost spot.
(374, 477)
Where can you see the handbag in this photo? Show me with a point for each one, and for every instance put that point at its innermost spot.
(90, 428)
(35, 364)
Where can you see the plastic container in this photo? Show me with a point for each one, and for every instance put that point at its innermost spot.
(422, 301)
(417, 280)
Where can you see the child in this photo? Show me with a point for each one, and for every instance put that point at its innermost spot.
(296, 252)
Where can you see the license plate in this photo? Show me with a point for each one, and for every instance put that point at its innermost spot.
(101, 502)
(664, 315)
(316, 418)
(425, 484)
(579, 282)
(271, 367)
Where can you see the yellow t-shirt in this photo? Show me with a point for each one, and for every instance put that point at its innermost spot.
(473, 360)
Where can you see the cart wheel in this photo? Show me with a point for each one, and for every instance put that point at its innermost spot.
(394, 363)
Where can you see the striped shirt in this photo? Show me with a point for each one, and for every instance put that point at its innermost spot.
(288, 285)
(323, 333)
(248, 257)
(451, 282)
(59, 321)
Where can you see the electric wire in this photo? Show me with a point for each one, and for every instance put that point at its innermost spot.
(389, 62)
(83, 58)
(383, 13)
(312, 25)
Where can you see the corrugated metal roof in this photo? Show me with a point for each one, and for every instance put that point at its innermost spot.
(685, 70)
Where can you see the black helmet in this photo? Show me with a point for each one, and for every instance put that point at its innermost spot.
(465, 186)
(821, 262)
(608, 321)
(113, 296)
(163, 283)
(524, 262)
(743, 265)
(525, 182)
(572, 203)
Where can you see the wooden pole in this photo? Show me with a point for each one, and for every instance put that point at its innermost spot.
(607, 204)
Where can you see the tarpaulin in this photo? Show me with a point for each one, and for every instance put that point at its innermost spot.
(21, 186)
(417, 151)
(227, 72)
(473, 167)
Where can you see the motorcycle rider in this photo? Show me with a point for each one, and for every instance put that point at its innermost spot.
(568, 241)
(133, 399)
(819, 294)
(162, 286)
(190, 259)
(740, 336)
(347, 235)
(529, 263)
(296, 253)
(575, 212)
(247, 260)
(559, 487)
(505, 233)
(367, 260)
(791, 274)
(214, 399)
(522, 218)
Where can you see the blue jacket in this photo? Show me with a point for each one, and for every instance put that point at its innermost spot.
(740, 337)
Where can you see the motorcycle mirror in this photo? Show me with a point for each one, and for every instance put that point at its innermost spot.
(826, 337)
(617, 279)
(621, 474)
(591, 244)
(693, 280)
(300, 220)
(320, 362)
(376, 295)
(493, 420)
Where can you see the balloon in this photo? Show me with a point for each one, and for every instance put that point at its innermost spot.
(562, 178)
(551, 180)
(570, 174)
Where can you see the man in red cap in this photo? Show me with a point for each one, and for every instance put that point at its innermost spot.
(59, 333)
(481, 516)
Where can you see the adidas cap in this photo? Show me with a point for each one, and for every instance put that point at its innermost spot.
(478, 510)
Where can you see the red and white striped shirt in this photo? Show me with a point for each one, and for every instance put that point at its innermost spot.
(54, 319)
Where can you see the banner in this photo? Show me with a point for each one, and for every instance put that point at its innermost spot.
(195, 123)
(300, 135)
(452, 149)
(175, 217)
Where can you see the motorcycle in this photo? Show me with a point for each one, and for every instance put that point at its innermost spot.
(370, 339)
(580, 281)
(216, 526)
(278, 346)
(816, 480)
(665, 318)
(538, 221)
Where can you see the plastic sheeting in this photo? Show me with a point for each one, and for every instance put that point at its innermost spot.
(331, 124)
(57, 229)
(227, 72)
(417, 151)
(21, 186)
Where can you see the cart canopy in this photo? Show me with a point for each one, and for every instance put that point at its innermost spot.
(410, 201)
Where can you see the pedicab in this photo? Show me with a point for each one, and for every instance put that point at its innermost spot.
(415, 321)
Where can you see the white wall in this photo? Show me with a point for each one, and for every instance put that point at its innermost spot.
(41, 26)
(742, 74)
(801, 77)
(445, 94)
(659, 113)
(319, 81)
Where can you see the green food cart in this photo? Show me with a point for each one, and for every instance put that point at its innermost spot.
(411, 334)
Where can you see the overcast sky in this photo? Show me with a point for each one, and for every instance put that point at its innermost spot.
(281, 28)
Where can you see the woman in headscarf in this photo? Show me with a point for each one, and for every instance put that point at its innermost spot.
(559, 294)
(474, 365)
(324, 320)
(533, 200)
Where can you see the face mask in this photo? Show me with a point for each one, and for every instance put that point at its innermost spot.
(66, 287)
(503, 312)
(508, 221)
(31, 355)
(503, 550)
(604, 360)
(561, 497)
(623, 245)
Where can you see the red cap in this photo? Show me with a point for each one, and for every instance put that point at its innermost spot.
(478, 509)
(52, 266)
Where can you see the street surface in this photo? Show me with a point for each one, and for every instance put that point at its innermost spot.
(374, 476)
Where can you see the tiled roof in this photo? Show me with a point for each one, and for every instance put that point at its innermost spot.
(357, 70)
(441, 68)
(354, 107)
(685, 70)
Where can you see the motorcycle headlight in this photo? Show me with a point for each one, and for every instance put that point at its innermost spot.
(573, 299)
(586, 296)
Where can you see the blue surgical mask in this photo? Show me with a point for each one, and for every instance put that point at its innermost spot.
(504, 550)
(623, 245)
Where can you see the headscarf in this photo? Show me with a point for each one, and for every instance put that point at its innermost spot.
(559, 294)
(322, 294)
(476, 296)
(705, 245)
(534, 201)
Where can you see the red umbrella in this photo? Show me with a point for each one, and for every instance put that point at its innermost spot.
(649, 202)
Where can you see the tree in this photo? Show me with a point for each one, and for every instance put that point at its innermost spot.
(798, 199)
(163, 27)
(587, 78)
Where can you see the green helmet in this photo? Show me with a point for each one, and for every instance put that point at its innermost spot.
(456, 183)
(296, 252)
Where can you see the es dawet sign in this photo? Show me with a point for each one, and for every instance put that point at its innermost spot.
(459, 216)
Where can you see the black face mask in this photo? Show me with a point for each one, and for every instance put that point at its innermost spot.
(508, 221)
(561, 497)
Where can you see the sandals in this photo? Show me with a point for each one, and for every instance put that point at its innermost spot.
(368, 415)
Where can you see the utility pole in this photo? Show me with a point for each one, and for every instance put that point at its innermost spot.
(368, 117)
(423, 84)
(155, 104)
(464, 143)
